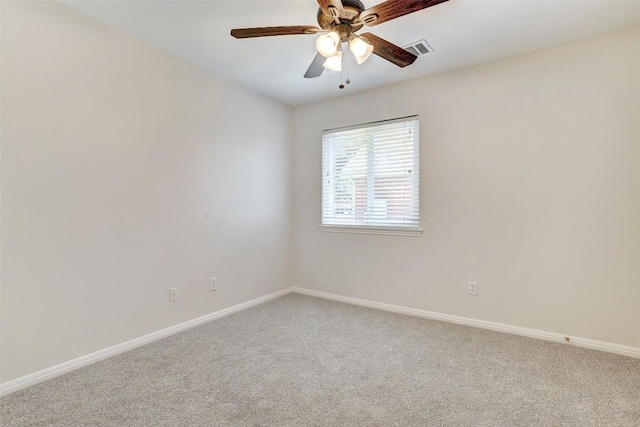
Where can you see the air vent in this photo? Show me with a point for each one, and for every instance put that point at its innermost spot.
(421, 47)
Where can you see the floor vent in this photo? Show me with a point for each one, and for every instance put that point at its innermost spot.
(421, 47)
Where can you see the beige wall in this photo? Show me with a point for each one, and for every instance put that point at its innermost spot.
(530, 185)
(112, 153)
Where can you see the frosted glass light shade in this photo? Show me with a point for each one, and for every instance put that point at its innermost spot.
(360, 49)
(327, 44)
(334, 62)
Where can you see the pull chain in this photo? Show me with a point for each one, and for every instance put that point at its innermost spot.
(346, 61)
(348, 67)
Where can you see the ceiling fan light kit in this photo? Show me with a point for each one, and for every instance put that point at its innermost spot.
(340, 20)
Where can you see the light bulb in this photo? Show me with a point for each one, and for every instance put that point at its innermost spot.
(360, 49)
(357, 46)
(327, 44)
(334, 62)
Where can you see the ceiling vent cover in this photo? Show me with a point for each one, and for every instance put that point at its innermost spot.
(421, 47)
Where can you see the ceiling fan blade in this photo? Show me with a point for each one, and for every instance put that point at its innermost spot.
(389, 51)
(316, 68)
(392, 9)
(332, 8)
(245, 33)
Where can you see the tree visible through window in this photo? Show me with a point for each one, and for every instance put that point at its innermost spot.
(370, 175)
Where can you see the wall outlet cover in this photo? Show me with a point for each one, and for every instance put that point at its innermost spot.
(473, 288)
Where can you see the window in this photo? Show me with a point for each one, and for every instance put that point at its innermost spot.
(370, 178)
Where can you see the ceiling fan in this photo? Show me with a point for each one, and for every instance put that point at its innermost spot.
(339, 21)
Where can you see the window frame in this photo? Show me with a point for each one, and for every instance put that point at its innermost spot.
(401, 230)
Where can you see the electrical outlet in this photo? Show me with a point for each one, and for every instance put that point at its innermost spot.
(213, 286)
(473, 288)
(173, 294)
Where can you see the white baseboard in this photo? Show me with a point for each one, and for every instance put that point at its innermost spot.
(63, 368)
(500, 327)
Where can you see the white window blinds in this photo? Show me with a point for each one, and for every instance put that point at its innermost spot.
(370, 175)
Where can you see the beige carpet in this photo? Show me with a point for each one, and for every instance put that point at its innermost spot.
(302, 361)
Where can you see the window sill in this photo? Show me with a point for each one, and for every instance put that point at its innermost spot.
(387, 231)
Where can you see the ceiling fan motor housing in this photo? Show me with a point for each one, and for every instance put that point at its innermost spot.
(349, 17)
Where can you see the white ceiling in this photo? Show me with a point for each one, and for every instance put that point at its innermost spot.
(462, 33)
